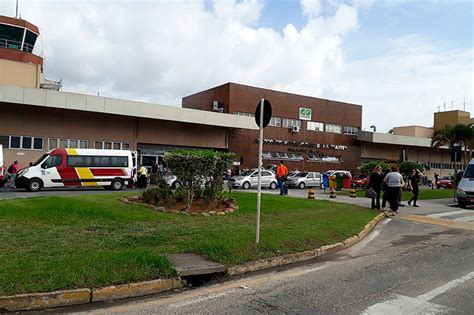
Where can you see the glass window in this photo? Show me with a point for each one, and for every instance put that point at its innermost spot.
(333, 128)
(98, 145)
(73, 144)
(63, 143)
(125, 146)
(4, 140)
(107, 145)
(53, 144)
(116, 145)
(275, 122)
(349, 130)
(314, 126)
(26, 142)
(15, 142)
(83, 144)
(53, 161)
(290, 123)
(38, 144)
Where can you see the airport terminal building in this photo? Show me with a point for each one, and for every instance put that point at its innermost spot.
(308, 133)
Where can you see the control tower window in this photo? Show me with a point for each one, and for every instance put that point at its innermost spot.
(30, 39)
(11, 36)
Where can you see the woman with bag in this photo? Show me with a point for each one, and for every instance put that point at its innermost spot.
(375, 187)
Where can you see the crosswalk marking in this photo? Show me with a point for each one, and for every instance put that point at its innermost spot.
(465, 219)
(448, 213)
(438, 221)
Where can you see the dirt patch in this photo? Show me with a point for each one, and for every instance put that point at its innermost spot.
(198, 207)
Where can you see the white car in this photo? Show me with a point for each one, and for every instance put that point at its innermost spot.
(250, 179)
(305, 179)
(337, 172)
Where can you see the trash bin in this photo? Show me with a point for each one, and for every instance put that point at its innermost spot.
(346, 181)
(325, 181)
(338, 182)
(332, 181)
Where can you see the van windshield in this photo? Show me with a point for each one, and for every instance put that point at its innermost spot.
(469, 173)
(41, 159)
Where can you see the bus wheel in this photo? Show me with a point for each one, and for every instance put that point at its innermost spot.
(34, 185)
(116, 184)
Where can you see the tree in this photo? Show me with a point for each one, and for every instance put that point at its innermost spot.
(195, 168)
(459, 134)
(369, 167)
(408, 166)
(443, 137)
(463, 135)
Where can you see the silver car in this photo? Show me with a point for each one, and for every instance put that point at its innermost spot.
(305, 179)
(465, 189)
(250, 179)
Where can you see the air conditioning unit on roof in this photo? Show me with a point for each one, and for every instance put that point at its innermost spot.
(295, 129)
(216, 107)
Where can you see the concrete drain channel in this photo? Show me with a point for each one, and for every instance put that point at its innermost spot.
(195, 270)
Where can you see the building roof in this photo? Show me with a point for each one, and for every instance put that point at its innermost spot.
(107, 105)
(387, 138)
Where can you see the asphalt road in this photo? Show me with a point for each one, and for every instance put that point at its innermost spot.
(7, 193)
(402, 267)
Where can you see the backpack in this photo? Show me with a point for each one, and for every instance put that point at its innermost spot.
(10, 169)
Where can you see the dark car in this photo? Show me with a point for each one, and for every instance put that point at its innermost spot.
(361, 180)
(445, 182)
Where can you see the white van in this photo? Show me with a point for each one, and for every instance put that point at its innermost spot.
(465, 190)
(112, 169)
(2, 174)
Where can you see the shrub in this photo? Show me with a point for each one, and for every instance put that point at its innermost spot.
(180, 194)
(407, 167)
(369, 167)
(151, 195)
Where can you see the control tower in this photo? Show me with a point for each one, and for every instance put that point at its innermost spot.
(21, 63)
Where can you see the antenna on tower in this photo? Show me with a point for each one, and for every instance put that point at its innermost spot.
(444, 106)
(452, 104)
(16, 12)
(439, 109)
(464, 103)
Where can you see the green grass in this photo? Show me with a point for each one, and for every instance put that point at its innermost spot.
(52, 243)
(424, 194)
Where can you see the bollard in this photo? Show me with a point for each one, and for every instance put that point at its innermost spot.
(310, 193)
(332, 193)
(353, 193)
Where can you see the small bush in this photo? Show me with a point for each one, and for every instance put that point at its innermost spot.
(180, 194)
(151, 195)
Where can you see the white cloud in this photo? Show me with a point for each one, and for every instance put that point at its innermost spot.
(161, 51)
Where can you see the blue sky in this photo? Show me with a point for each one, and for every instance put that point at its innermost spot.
(400, 58)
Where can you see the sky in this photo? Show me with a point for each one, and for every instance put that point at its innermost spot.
(400, 60)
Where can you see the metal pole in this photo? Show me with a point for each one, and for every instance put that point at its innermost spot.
(16, 12)
(455, 175)
(259, 189)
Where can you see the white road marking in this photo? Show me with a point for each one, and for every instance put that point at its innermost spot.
(448, 213)
(400, 304)
(368, 239)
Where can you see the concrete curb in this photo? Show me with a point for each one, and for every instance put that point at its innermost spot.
(306, 255)
(36, 301)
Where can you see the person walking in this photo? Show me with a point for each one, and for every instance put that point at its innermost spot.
(142, 177)
(281, 173)
(436, 179)
(413, 181)
(375, 182)
(394, 181)
(154, 174)
(12, 172)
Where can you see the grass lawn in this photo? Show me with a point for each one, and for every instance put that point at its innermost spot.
(51, 243)
(424, 194)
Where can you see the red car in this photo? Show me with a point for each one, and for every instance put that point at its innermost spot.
(445, 182)
(361, 180)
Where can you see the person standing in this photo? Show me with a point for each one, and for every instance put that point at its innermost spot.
(142, 177)
(436, 179)
(394, 181)
(375, 182)
(12, 171)
(281, 173)
(154, 173)
(413, 180)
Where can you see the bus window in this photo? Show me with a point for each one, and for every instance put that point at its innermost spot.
(52, 161)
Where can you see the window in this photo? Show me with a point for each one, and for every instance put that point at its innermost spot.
(108, 145)
(315, 126)
(53, 161)
(4, 141)
(96, 161)
(55, 143)
(15, 142)
(290, 123)
(349, 130)
(38, 144)
(282, 156)
(26, 142)
(333, 128)
(275, 122)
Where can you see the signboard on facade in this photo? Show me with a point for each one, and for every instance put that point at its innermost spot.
(305, 113)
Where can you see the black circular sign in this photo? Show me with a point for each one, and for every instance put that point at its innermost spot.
(267, 113)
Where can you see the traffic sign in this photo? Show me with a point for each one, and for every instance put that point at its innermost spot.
(267, 113)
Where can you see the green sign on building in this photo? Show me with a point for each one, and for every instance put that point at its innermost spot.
(305, 113)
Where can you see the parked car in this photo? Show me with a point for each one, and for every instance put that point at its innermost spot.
(305, 179)
(337, 172)
(171, 181)
(465, 189)
(250, 179)
(271, 167)
(361, 180)
(292, 173)
(445, 182)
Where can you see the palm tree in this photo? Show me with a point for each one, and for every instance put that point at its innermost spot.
(463, 135)
(444, 137)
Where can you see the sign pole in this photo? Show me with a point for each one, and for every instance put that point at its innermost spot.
(455, 174)
(259, 189)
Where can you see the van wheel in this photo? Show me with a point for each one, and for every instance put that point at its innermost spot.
(273, 185)
(34, 185)
(301, 185)
(117, 184)
(246, 185)
(462, 205)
